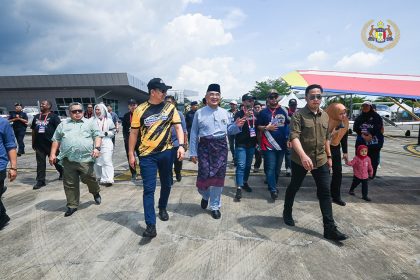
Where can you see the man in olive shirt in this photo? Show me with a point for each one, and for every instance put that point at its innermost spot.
(311, 152)
(79, 143)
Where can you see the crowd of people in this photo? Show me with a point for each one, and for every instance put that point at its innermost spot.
(156, 137)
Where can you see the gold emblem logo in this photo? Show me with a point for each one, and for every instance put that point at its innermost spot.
(383, 36)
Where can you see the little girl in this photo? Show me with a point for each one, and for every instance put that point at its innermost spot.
(362, 170)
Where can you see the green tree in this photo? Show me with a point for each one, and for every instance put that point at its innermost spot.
(261, 89)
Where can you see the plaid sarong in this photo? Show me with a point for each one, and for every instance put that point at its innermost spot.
(212, 162)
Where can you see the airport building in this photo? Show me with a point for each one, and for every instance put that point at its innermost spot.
(110, 88)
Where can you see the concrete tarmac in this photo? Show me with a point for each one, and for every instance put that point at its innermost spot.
(250, 241)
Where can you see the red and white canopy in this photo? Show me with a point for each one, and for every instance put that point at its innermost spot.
(402, 86)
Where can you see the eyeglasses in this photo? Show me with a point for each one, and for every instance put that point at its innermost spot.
(76, 111)
(272, 97)
(163, 91)
(315, 96)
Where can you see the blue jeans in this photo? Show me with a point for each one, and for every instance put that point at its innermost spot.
(243, 157)
(214, 194)
(273, 160)
(149, 165)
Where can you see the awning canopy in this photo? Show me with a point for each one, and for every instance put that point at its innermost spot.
(401, 86)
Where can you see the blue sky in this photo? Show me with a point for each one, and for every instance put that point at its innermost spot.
(191, 43)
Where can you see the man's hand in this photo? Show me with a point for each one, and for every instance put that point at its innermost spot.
(12, 174)
(240, 122)
(289, 144)
(194, 160)
(132, 160)
(329, 162)
(52, 159)
(307, 162)
(271, 127)
(180, 153)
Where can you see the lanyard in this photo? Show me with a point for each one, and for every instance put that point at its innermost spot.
(253, 120)
(46, 116)
(273, 112)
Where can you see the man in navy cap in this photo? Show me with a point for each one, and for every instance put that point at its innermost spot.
(152, 121)
(20, 123)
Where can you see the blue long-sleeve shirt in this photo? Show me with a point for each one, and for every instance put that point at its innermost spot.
(7, 142)
(210, 122)
(175, 141)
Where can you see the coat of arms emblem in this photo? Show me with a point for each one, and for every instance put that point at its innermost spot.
(381, 37)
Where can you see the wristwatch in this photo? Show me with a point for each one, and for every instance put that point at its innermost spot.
(182, 145)
(98, 148)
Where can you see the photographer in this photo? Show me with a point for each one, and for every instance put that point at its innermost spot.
(245, 142)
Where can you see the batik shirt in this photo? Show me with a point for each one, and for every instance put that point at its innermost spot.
(154, 122)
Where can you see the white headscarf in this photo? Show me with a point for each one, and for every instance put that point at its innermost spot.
(102, 119)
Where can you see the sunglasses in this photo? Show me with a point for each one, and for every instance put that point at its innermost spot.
(76, 111)
(315, 96)
(272, 97)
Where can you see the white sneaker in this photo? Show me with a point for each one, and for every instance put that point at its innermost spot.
(379, 166)
(288, 172)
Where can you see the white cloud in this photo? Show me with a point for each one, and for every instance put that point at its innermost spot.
(359, 60)
(201, 72)
(317, 57)
(234, 19)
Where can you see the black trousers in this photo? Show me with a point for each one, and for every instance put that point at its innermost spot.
(41, 163)
(20, 134)
(258, 159)
(322, 180)
(231, 139)
(2, 208)
(356, 182)
(177, 163)
(136, 149)
(337, 172)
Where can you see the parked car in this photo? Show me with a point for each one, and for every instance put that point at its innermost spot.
(31, 111)
(4, 113)
(384, 111)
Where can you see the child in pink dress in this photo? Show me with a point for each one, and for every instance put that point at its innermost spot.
(362, 170)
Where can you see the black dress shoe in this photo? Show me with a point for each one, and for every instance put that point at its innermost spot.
(97, 198)
(204, 203)
(246, 187)
(238, 194)
(332, 233)
(150, 231)
(163, 214)
(216, 214)
(106, 184)
(339, 202)
(288, 219)
(274, 195)
(60, 177)
(39, 185)
(367, 198)
(4, 221)
(70, 211)
(351, 192)
(178, 177)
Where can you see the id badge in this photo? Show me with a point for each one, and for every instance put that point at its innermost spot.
(252, 132)
(41, 129)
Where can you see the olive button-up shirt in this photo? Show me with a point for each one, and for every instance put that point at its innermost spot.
(312, 131)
